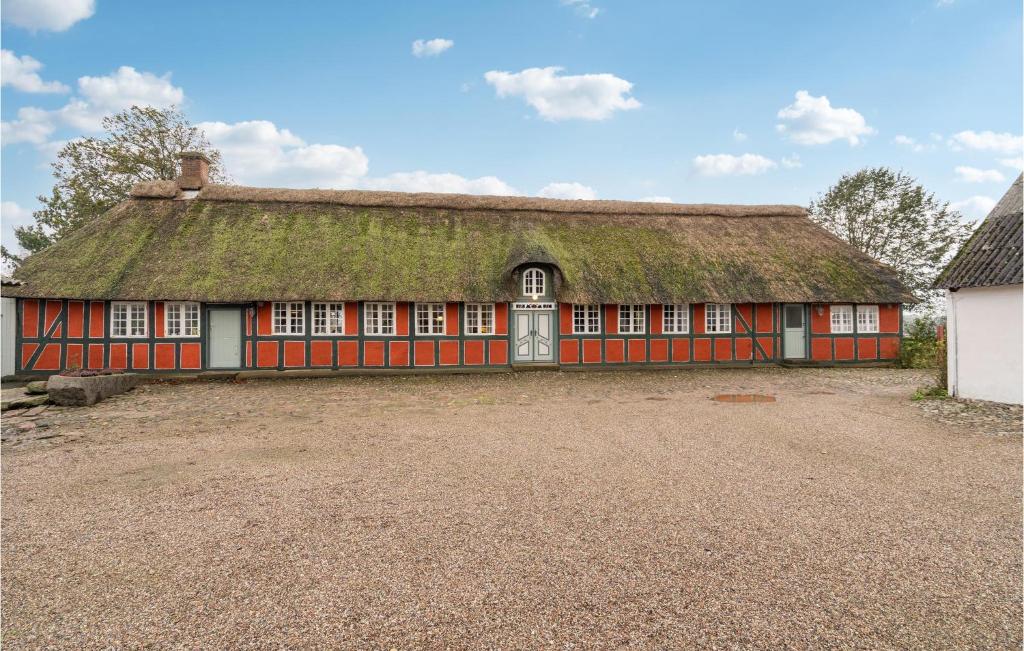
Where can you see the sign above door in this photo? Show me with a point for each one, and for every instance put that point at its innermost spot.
(533, 306)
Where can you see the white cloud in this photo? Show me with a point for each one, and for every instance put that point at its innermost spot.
(564, 97)
(12, 215)
(567, 191)
(1003, 143)
(738, 135)
(812, 120)
(975, 175)
(52, 15)
(656, 199)
(583, 7)
(975, 207)
(792, 162)
(431, 48)
(914, 145)
(256, 152)
(727, 164)
(1014, 163)
(420, 181)
(22, 73)
(97, 98)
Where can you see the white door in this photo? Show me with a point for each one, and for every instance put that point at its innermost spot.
(524, 337)
(533, 333)
(542, 337)
(225, 338)
(794, 332)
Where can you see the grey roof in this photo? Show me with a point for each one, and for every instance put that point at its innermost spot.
(993, 254)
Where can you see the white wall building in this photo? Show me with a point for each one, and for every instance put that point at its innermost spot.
(985, 308)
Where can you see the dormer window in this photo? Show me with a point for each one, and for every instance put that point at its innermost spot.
(533, 283)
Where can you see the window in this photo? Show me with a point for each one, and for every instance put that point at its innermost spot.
(676, 319)
(533, 282)
(586, 319)
(631, 319)
(718, 318)
(289, 319)
(379, 318)
(867, 318)
(181, 319)
(479, 318)
(842, 318)
(128, 319)
(328, 318)
(430, 318)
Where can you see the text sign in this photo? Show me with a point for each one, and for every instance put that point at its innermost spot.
(533, 306)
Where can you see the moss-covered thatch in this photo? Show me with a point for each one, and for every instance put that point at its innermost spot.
(231, 244)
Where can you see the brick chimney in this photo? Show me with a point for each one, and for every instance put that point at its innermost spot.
(195, 170)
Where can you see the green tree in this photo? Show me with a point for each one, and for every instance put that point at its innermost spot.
(92, 175)
(892, 218)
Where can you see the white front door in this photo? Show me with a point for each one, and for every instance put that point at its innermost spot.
(533, 336)
(794, 332)
(225, 340)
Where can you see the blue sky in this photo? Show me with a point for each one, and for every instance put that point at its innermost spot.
(733, 102)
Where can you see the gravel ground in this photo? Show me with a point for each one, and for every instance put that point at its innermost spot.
(563, 510)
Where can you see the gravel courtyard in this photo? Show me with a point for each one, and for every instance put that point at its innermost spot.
(562, 510)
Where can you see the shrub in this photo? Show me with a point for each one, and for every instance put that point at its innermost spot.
(920, 346)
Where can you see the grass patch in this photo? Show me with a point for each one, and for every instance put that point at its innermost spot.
(930, 393)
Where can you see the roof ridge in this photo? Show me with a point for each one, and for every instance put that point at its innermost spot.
(386, 199)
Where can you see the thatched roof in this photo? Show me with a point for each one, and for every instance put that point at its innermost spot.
(993, 254)
(243, 244)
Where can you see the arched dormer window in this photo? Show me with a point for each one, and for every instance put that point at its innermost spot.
(533, 282)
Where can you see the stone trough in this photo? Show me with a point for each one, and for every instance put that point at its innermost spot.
(82, 391)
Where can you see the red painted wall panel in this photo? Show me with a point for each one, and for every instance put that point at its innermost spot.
(611, 319)
(659, 350)
(266, 354)
(614, 351)
(569, 351)
(398, 354)
(680, 350)
(320, 353)
(500, 319)
(248, 354)
(746, 311)
(867, 348)
(118, 355)
(698, 322)
(451, 321)
(888, 347)
(723, 350)
(49, 360)
(53, 309)
(351, 319)
(499, 351)
(565, 319)
(163, 356)
(448, 352)
(402, 320)
(30, 318)
(140, 356)
(702, 349)
(821, 349)
(294, 353)
(765, 317)
(744, 349)
(96, 325)
(191, 356)
(424, 353)
(76, 319)
(348, 351)
(821, 324)
(473, 351)
(656, 319)
(96, 356)
(591, 351)
(637, 350)
(373, 353)
(158, 317)
(767, 343)
(74, 356)
(264, 316)
(844, 348)
(27, 350)
(889, 318)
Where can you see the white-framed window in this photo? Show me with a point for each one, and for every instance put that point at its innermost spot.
(181, 319)
(128, 319)
(533, 282)
(328, 318)
(479, 318)
(867, 318)
(842, 318)
(675, 319)
(718, 318)
(586, 319)
(430, 318)
(379, 319)
(631, 319)
(289, 318)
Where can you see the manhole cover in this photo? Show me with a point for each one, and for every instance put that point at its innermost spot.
(743, 397)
